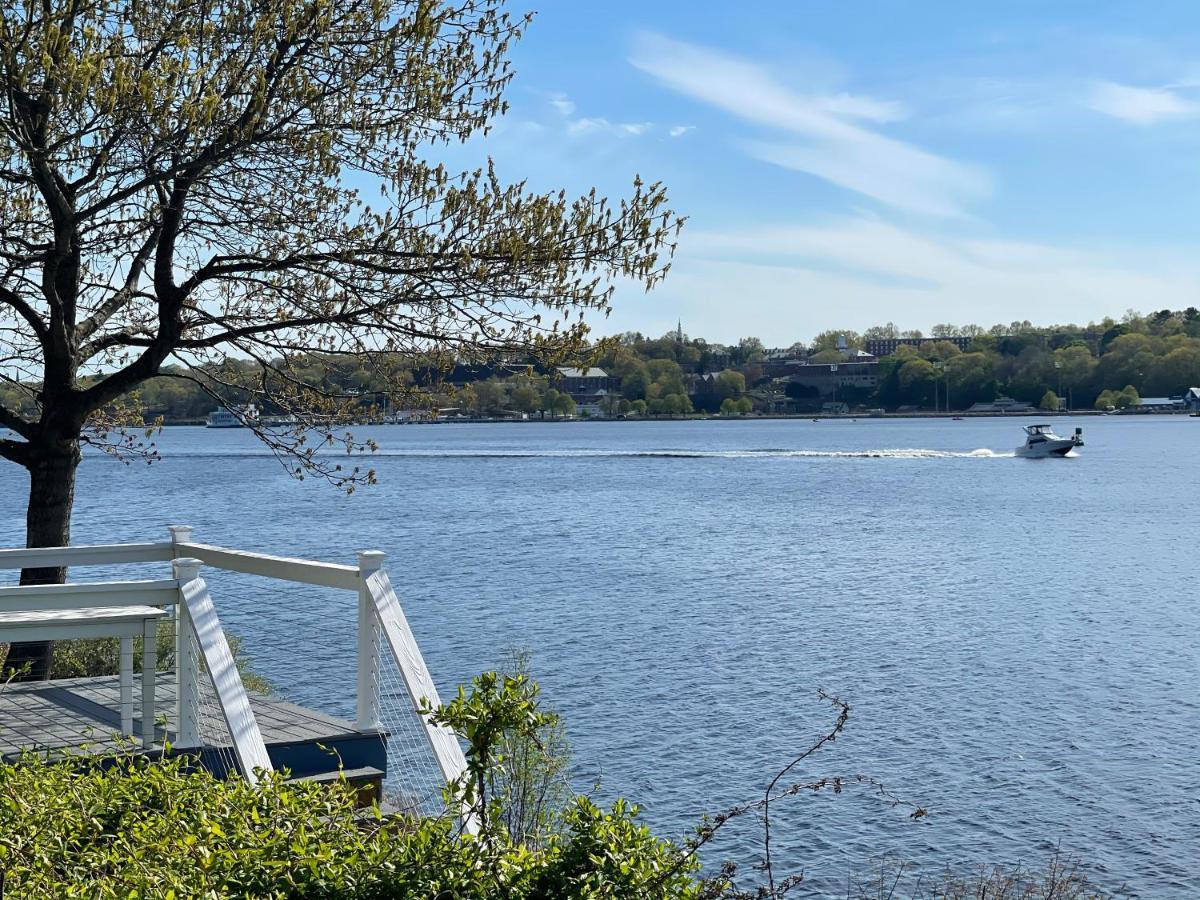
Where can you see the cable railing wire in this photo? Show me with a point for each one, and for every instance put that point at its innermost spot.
(302, 642)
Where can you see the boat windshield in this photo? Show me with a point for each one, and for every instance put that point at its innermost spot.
(1033, 430)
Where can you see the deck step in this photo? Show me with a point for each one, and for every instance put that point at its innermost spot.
(368, 782)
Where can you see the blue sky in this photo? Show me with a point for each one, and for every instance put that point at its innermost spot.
(846, 164)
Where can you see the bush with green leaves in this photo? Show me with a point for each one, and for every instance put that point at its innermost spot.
(126, 827)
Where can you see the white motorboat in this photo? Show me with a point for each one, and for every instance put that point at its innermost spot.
(1042, 442)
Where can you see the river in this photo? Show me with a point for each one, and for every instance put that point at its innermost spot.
(1019, 640)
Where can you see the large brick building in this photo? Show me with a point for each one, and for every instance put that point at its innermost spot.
(887, 346)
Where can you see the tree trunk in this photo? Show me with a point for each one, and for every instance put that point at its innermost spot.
(52, 468)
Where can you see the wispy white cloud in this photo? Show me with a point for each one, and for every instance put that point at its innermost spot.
(562, 103)
(1141, 106)
(856, 107)
(600, 125)
(854, 271)
(834, 145)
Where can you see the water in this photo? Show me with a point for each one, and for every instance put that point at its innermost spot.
(1018, 639)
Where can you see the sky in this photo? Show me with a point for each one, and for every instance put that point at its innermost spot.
(848, 164)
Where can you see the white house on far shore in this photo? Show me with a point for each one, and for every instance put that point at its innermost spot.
(1001, 405)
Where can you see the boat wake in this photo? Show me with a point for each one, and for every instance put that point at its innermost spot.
(592, 453)
(683, 453)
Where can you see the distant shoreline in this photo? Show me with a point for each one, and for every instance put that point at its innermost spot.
(759, 416)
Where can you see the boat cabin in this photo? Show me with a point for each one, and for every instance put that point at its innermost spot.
(1040, 433)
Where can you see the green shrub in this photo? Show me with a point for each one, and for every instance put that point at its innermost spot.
(134, 828)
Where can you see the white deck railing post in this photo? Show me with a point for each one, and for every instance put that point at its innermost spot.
(149, 663)
(368, 718)
(187, 663)
(185, 646)
(126, 682)
(196, 603)
(180, 534)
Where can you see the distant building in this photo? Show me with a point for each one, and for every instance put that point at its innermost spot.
(588, 388)
(593, 405)
(825, 379)
(849, 352)
(888, 346)
(1192, 399)
(584, 382)
(1158, 404)
(779, 354)
(1001, 405)
(780, 367)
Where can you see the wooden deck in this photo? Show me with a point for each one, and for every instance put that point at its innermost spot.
(84, 714)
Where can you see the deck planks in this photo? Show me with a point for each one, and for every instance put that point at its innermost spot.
(72, 713)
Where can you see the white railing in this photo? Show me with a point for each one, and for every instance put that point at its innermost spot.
(381, 622)
(202, 637)
(163, 592)
(85, 555)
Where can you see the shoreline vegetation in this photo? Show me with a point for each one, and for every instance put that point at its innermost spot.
(709, 417)
(883, 372)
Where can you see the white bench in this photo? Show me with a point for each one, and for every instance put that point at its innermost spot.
(124, 622)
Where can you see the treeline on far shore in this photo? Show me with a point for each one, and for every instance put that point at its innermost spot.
(1109, 364)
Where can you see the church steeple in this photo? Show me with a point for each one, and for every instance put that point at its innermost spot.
(679, 331)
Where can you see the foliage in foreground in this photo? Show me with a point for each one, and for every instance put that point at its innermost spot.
(138, 829)
(135, 828)
(156, 830)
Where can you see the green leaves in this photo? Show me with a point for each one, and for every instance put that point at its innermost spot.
(185, 181)
(128, 827)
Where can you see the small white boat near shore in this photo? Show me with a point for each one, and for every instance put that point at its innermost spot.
(1041, 442)
(225, 417)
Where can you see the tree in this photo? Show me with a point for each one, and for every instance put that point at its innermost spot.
(635, 383)
(939, 350)
(970, 379)
(1127, 397)
(748, 349)
(728, 407)
(1050, 401)
(729, 384)
(1107, 400)
(744, 406)
(187, 182)
(524, 398)
(489, 396)
(828, 340)
(881, 332)
(611, 404)
(1075, 366)
(564, 405)
(915, 379)
(678, 404)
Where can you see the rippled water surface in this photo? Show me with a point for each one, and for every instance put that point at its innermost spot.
(1018, 639)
